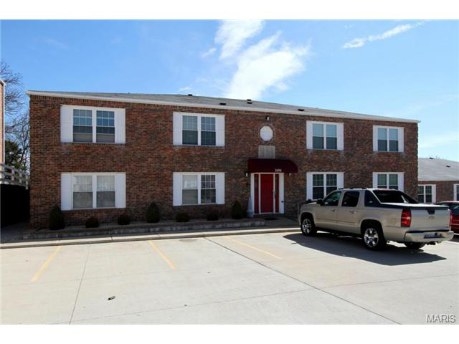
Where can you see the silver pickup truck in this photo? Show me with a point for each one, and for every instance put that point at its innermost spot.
(377, 216)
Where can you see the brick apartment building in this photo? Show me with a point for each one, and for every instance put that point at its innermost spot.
(102, 154)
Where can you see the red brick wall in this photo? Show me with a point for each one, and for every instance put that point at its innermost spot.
(444, 189)
(149, 158)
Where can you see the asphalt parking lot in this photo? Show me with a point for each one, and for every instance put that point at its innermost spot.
(269, 278)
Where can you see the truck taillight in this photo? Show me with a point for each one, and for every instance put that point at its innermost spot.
(406, 218)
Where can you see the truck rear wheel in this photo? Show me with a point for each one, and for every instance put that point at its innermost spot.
(373, 237)
(307, 226)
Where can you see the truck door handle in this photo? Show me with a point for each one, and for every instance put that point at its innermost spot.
(352, 211)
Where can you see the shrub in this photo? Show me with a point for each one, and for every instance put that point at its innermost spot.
(153, 214)
(92, 222)
(56, 219)
(212, 215)
(182, 217)
(236, 210)
(124, 219)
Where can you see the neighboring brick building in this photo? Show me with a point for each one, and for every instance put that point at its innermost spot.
(102, 154)
(438, 180)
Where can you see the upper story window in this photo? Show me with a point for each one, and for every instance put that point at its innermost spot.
(388, 139)
(199, 129)
(324, 135)
(92, 125)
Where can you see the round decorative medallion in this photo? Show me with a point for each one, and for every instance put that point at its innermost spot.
(266, 133)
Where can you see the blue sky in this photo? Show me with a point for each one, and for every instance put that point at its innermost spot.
(398, 68)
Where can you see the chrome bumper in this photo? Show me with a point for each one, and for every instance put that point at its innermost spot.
(427, 237)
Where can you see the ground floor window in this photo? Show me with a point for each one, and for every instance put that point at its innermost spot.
(320, 184)
(198, 188)
(456, 192)
(426, 193)
(93, 190)
(388, 180)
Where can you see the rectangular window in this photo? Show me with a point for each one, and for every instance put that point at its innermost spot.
(388, 139)
(93, 190)
(190, 189)
(320, 184)
(92, 125)
(82, 125)
(190, 130)
(321, 135)
(456, 192)
(82, 192)
(198, 129)
(198, 188)
(105, 128)
(208, 190)
(384, 180)
(426, 193)
(208, 131)
(105, 192)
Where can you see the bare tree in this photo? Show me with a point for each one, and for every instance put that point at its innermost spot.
(16, 117)
(14, 93)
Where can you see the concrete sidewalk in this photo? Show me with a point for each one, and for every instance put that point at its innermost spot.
(20, 235)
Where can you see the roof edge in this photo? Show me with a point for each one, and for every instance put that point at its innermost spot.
(330, 113)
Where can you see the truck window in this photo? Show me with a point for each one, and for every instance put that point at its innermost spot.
(370, 199)
(350, 199)
(392, 196)
(332, 199)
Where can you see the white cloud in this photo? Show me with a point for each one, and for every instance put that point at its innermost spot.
(361, 41)
(265, 64)
(232, 34)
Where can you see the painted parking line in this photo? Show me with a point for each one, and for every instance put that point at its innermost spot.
(45, 265)
(162, 255)
(253, 247)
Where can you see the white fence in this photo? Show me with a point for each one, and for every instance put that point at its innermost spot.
(13, 176)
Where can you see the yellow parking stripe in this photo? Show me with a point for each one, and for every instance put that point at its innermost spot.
(162, 255)
(253, 248)
(45, 264)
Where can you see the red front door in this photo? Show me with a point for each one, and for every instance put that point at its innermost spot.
(266, 193)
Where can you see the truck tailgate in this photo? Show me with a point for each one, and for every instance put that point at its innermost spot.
(428, 217)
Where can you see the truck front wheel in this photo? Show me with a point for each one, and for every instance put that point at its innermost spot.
(307, 226)
(373, 237)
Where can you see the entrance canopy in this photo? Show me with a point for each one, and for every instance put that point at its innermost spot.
(272, 166)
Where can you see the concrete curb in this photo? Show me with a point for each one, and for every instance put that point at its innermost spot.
(138, 232)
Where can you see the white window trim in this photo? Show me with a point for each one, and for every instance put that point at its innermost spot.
(339, 133)
(400, 179)
(455, 187)
(67, 189)
(177, 178)
(67, 123)
(219, 128)
(434, 191)
(400, 138)
(309, 181)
